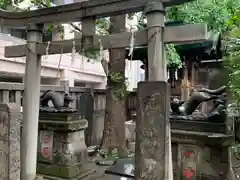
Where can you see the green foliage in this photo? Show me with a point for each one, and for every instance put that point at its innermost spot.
(119, 82)
(5, 3)
(213, 12)
(232, 59)
(114, 154)
(92, 53)
(109, 154)
(223, 16)
(217, 15)
(236, 150)
(102, 25)
(141, 24)
(172, 56)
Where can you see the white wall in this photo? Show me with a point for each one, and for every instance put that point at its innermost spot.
(133, 73)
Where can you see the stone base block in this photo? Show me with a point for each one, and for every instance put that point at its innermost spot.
(201, 162)
(56, 172)
(62, 152)
(63, 148)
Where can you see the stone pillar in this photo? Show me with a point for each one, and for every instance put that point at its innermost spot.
(62, 152)
(6, 96)
(153, 137)
(10, 122)
(31, 104)
(156, 61)
(152, 114)
(185, 83)
(66, 85)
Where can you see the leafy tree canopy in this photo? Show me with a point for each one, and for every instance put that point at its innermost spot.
(213, 12)
(218, 15)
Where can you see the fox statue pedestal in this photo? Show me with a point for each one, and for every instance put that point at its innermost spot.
(62, 152)
(61, 145)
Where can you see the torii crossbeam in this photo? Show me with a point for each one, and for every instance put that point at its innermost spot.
(78, 11)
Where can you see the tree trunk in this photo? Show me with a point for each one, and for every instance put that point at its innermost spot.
(114, 123)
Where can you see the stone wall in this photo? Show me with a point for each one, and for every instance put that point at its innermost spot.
(13, 92)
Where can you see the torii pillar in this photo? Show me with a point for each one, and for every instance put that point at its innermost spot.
(31, 103)
(153, 141)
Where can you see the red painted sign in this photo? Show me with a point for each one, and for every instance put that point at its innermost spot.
(46, 138)
(189, 160)
(46, 144)
(45, 152)
(189, 173)
(188, 153)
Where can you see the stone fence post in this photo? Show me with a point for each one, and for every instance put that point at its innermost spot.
(65, 84)
(10, 122)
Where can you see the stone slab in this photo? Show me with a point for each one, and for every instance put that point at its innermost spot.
(60, 116)
(10, 126)
(204, 138)
(63, 125)
(65, 172)
(198, 126)
(123, 168)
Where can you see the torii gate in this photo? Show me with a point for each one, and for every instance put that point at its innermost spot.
(155, 165)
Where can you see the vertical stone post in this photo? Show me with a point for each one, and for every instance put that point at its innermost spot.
(156, 61)
(185, 83)
(31, 104)
(65, 84)
(10, 120)
(153, 140)
(88, 30)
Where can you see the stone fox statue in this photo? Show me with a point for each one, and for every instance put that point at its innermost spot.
(197, 97)
(56, 99)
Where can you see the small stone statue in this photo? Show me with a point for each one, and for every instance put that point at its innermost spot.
(56, 99)
(203, 95)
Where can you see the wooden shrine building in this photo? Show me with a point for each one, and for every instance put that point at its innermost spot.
(198, 61)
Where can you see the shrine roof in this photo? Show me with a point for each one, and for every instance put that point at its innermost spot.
(208, 49)
(212, 43)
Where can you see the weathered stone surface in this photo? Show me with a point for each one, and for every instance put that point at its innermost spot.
(66, 172)
(60, 115)
(130, 128)
(10, 118)
(201, 162)
(85, 102)
(68, 148)
(62, 151)
(152, 116)
(191, 137)
(63, 125)
(198, 126)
